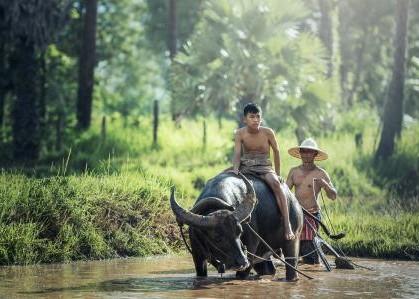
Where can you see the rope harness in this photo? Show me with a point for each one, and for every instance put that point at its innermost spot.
(317, 247)
(249, 253)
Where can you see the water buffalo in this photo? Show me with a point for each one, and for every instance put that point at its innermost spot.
(218, 234)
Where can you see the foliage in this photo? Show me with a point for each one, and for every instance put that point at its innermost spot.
(156, 22)
(128, 73)
(399, 173)
(245, 51)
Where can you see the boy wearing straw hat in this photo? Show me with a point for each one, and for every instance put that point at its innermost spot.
(308, 180)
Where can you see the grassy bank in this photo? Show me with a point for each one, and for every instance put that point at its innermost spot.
(109, 198)
(60, 219)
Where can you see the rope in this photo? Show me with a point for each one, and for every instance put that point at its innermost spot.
(259, 257)
(337, 244)
(183, 238)
(276, 255)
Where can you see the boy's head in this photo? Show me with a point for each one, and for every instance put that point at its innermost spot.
(252, 115)
(251, 108)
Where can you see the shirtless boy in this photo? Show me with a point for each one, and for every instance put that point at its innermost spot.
(308, 179)
(256, 142)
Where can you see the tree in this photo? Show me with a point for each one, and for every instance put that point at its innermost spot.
(30, 27)
(160, 13)
(169, 24)
(244, 51)
(129, 77)
(393, 110)
(364, 43)
(172, 29)
(326, 31)
(86, 66)
(5, 80)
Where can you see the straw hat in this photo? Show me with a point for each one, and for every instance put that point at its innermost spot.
(309, 143)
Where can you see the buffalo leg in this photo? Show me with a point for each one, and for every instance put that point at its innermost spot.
(243, 274)
(200, 265)
(291, 249)
(199, 258)
(265, 268)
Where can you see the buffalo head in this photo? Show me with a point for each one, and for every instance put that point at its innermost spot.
(220, 229)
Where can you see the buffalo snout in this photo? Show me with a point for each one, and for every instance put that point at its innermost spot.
(240, 263)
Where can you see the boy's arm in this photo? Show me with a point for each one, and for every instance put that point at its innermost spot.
(290, 181)
(327, 185)
(237, 151)
(275, 148)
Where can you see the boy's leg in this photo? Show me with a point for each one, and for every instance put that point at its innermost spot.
(273, 182)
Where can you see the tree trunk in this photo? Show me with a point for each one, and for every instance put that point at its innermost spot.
(5, 82)
(25, 119)
(103, 130)
(3, 89)
(59, 132)
(344, 52)
(300, 134)
(42, 89)
(155, 121)
(86, 66)
(393, 109)
(171, 43)
(2, 102)
(358, 71)
(326, 32)
(204, 135)
(172, 30)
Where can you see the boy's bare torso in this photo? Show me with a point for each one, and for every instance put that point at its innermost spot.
(255, 143)
(303, 181)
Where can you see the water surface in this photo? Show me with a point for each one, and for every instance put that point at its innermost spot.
(174, 277)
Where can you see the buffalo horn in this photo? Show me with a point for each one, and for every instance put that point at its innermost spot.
(244, 210)
(189, 218)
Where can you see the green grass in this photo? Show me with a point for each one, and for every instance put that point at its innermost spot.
(106, 199)
(60, 219)
(374, 228)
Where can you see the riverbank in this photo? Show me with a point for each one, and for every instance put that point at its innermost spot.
(110, 199)
(60, 219)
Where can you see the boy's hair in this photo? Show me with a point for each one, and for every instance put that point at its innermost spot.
(251, 108)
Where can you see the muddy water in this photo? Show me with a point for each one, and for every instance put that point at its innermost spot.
(173, 277)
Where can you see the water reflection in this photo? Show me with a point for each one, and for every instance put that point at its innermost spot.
(173, 277)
